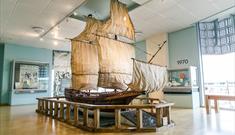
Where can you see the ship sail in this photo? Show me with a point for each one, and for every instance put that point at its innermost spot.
(100, 60)
(84, 58)
(119, 23)
(148, 77)
(115, 64)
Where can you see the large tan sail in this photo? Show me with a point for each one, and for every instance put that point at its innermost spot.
(115, 64)
(119, 22)
(148, 77)
(108, 63)
(84, 58)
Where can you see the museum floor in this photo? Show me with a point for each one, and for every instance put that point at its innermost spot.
(22, 120)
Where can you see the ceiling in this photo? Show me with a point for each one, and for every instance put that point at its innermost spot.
(221, 15)
(100, 9)
(17, 17)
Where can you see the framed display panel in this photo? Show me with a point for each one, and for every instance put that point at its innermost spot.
(30, 76)
(184, 77)
(182, 80)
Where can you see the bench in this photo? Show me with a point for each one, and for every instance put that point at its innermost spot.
(216, 98)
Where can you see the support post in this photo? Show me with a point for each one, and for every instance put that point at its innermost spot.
(68, 113)
(51, 108)
(168, 114)
(61, 111)
(151, 102)
(85, 116)
(117, 118)
(39, 105)
(139, 118)
(46, 107)
(216, 106)
(159, 113)
(207, 103)
(56, 110)
(97, 118)
(43, 106)
(76, 119)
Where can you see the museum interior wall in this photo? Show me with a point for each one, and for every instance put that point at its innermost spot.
(152, 45)
(139, 50)
(180, 45)
(1, 66)
(18, 52)
(183, 46)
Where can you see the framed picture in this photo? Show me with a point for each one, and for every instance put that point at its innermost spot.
(29, 76)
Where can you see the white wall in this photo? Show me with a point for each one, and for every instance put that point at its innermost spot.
(161, 58)
(152, 46)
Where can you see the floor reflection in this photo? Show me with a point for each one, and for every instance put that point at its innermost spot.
(22, 120)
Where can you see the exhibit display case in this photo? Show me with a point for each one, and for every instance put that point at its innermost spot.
(182, 80)
(182, 86)
(30, 76)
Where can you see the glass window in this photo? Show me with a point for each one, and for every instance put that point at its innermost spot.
(217, 33)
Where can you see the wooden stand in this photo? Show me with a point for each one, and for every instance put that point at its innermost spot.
(216, 98)
(59, 108)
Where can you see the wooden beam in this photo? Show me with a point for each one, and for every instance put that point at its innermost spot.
(56, 110)
(207, 104)
(46, 107)
(43, 106)
(51, 108)
(117, 118)
(97, 118)
(159, 113)
(68, 113)
(216, 106)
(76, 118)
(168, 114)
(39, 105)
(85, 116)
(139, 118)
(62, 111)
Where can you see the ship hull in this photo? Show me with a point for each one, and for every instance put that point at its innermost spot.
(103, 98)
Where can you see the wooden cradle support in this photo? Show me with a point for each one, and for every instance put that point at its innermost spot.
(89, 117)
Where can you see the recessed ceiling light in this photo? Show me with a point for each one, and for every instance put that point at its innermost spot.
(55, 34)
(74, 13)
(55, 43)
(38, 30)
(41, 39)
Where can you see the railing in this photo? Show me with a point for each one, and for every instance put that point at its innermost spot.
(60, 109)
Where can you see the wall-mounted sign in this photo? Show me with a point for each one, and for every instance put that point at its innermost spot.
(183, 61)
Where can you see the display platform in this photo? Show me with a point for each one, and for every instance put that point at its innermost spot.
(92, 118)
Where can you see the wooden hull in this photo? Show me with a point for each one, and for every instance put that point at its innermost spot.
(104, 98)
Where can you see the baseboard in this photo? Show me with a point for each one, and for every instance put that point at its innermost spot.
(4, 104)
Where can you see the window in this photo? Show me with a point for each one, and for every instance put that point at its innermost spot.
(218, 36)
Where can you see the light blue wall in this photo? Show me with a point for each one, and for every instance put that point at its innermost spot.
(1, 64)
(17, 52)
(183, 44)
(139, 50)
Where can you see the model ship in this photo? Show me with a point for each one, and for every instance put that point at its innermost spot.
(101, 60)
